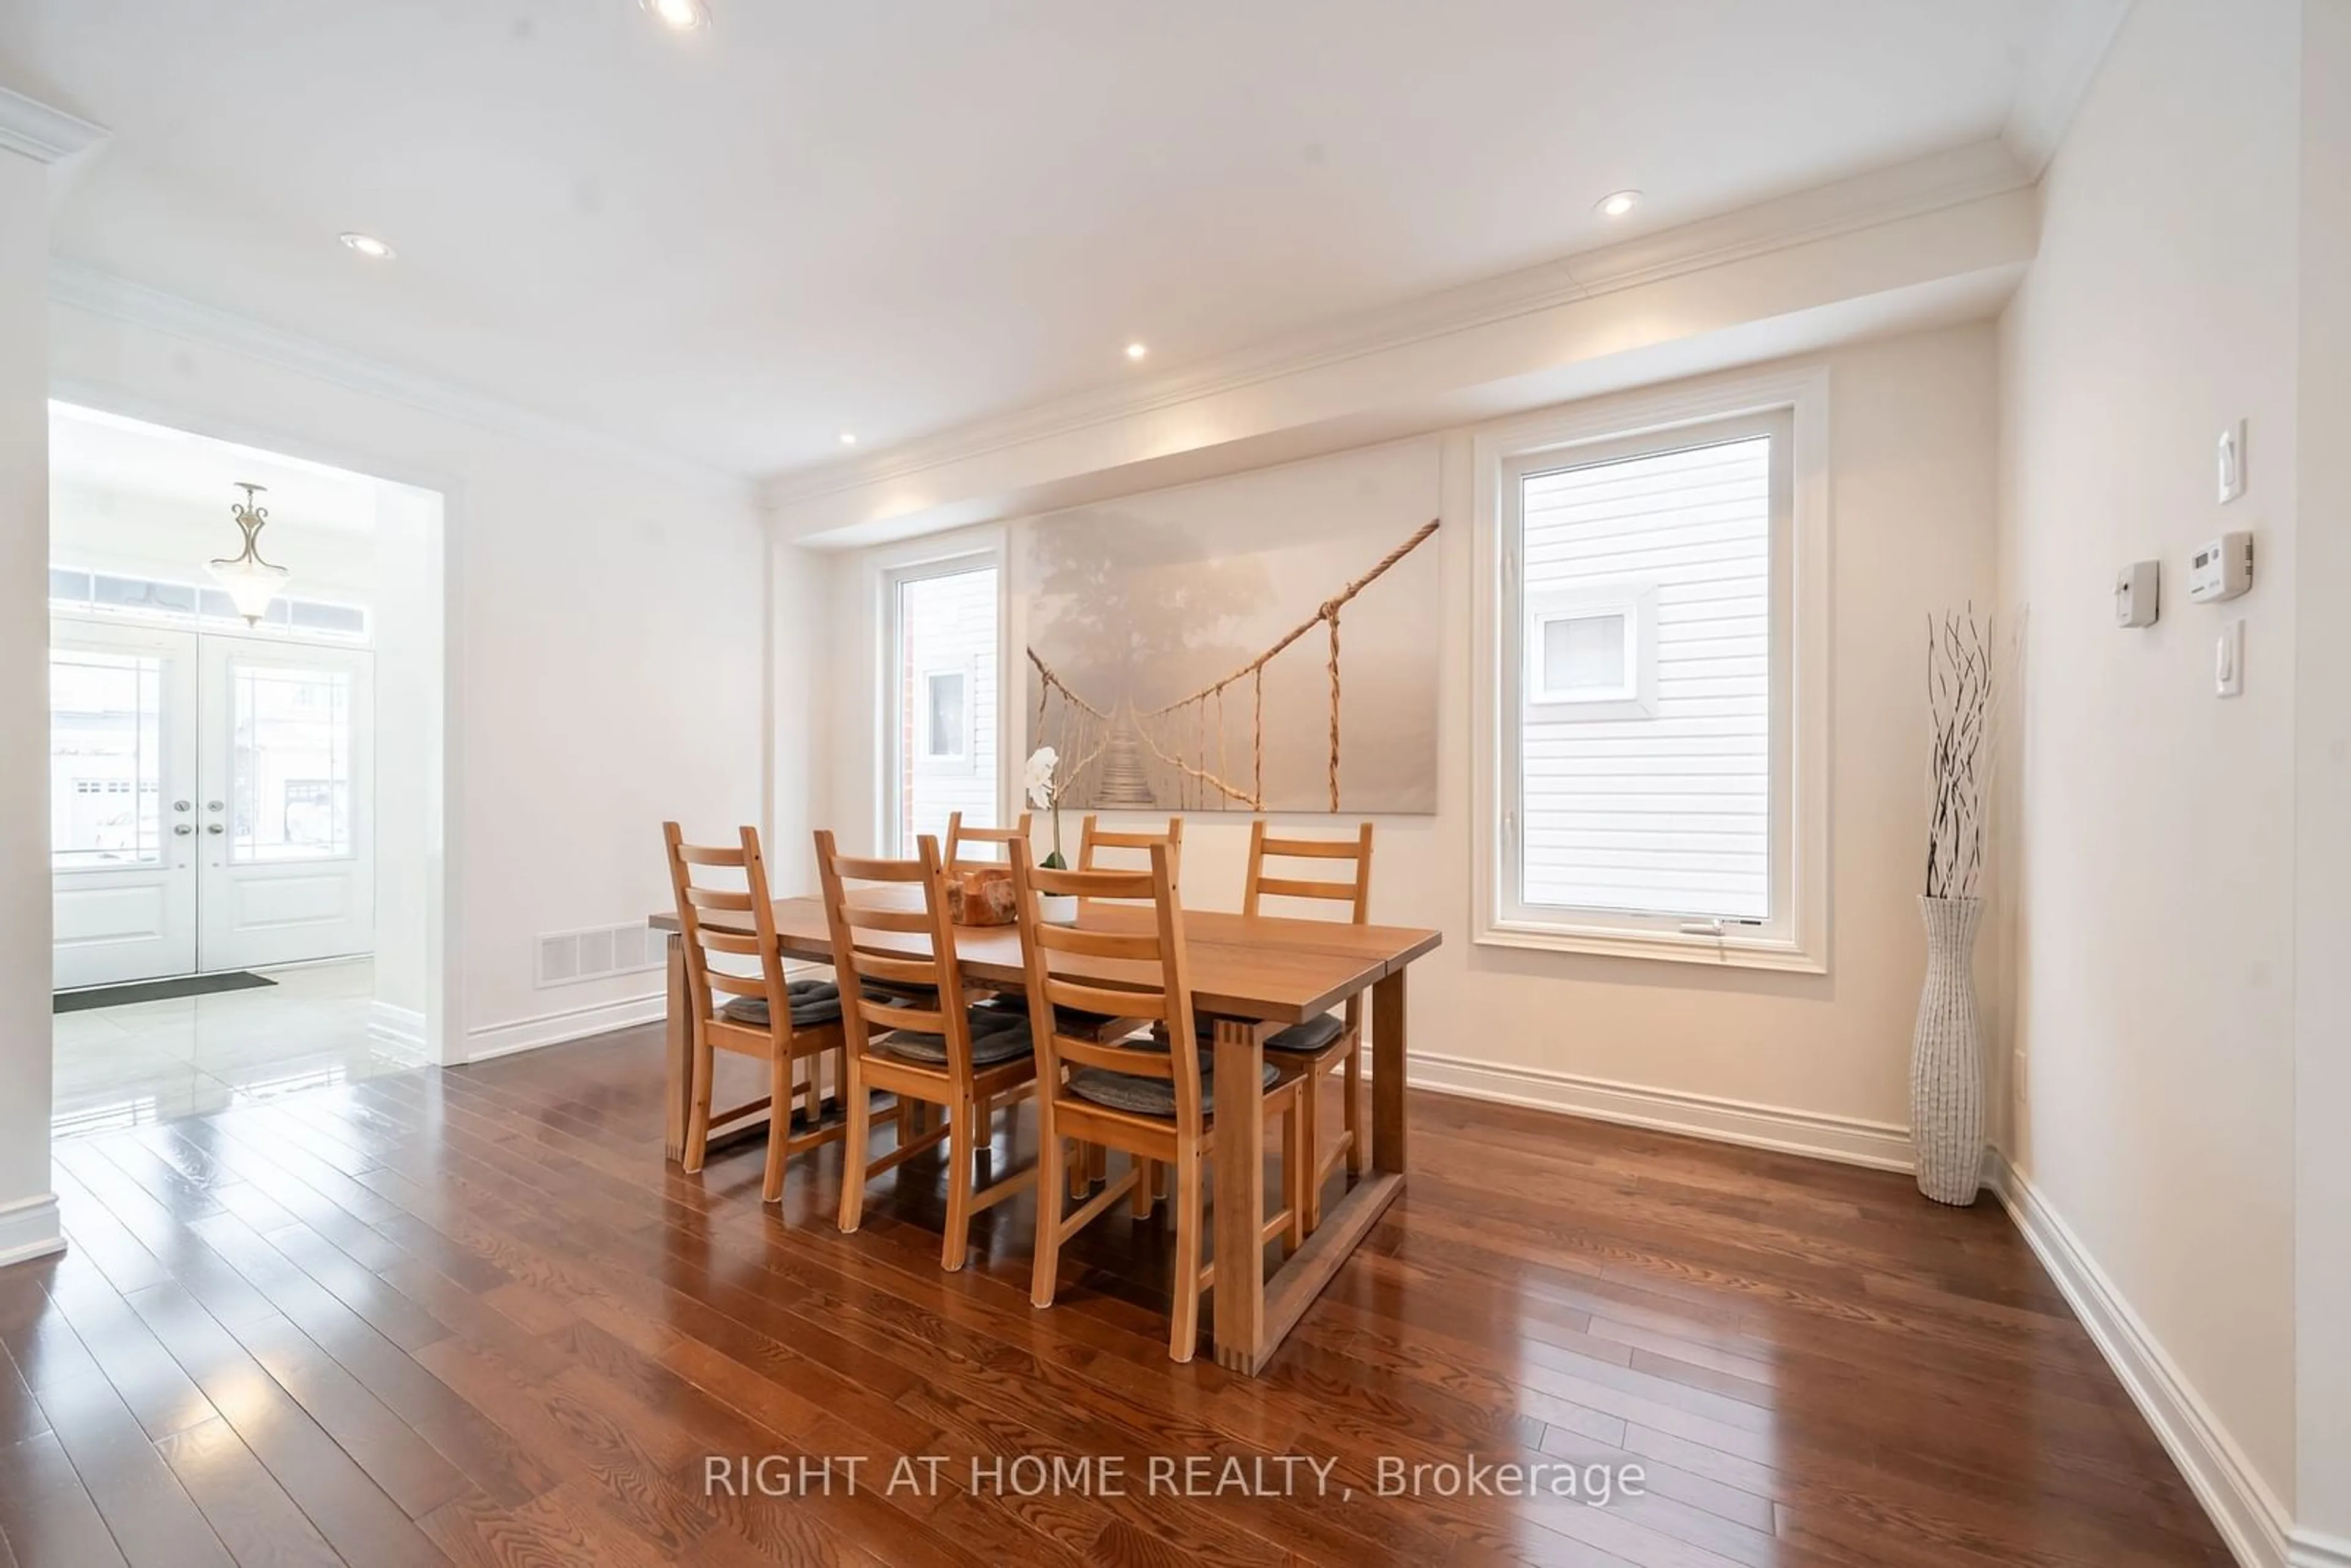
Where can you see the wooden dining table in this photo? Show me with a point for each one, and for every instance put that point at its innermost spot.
(1251, 975)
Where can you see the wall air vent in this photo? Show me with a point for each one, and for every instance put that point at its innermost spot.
(566, 957)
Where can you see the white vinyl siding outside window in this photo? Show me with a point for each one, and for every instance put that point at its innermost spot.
(942, 677)
(1653, 780)
(1662, 807)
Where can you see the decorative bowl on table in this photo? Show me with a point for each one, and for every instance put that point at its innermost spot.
(981, 897)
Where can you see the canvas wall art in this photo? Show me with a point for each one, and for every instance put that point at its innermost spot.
(1262, 642)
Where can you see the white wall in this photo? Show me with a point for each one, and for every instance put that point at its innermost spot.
(405, 596)
(1913, 430)
(2155, 973)
(807, 670)
(28, 1222)
(2323, 788)
(607, 657)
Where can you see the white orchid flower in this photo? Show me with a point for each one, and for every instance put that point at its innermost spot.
(1038, 777)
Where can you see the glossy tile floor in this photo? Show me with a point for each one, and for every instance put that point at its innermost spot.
(471, 1315)
(152, 1062)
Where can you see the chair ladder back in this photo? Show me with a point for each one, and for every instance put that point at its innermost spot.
(704, 983)
(1354, 889)
(1093, 837)
(869, 948)
(1124, 973)
(960, 836)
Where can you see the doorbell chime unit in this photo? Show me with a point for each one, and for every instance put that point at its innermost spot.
(2136, 587)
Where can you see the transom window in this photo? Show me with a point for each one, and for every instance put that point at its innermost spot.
(75, 589)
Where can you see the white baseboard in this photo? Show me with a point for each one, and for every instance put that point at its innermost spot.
(29, 1229)
(398, 1029)
(554, 1029)
(1845, 1139)
(2312, 1550)
(2248, 1515)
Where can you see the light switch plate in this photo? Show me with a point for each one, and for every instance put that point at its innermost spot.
(2231, 462)
(2229, 659)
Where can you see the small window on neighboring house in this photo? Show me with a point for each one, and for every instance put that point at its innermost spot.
(948, 729)
(1591, 651)
(1585, 657)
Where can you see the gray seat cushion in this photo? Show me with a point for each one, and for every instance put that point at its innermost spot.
(1069, 1020)
(1147, 1096)
(812, 1003)
(993, 1042)
(1312, 1035)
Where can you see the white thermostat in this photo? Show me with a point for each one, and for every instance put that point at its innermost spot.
(2221, 569)
(2136, 586)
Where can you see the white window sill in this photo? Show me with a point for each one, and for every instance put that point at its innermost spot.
(1667, 946)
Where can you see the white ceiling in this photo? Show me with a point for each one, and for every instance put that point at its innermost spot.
(896, 218)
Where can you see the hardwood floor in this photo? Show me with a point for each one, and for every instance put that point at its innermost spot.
(471, 1315)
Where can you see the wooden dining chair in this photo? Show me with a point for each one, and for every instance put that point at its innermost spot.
(960, 836)
(759, 1014)
(912, 1030)
(1134, 1093)
(1327, 1040)
(1093, 837)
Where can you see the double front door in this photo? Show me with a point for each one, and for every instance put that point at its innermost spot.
(209, 801)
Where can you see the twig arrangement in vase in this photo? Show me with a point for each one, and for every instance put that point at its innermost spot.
(1947, 1079)
(1044, 791)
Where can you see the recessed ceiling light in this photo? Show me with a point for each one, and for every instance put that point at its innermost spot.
(1136, 350)
(1616, 203)
(848, 438)
(370, 246)
(678, 16)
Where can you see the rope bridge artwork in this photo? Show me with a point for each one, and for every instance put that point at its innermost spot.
(1208, 748)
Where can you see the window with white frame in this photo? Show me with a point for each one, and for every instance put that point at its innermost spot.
(943, 678)
(1655, 697)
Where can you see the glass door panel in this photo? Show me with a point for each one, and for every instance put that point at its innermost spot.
(106, 759)
(288, 872)
(122, 777)
(290, 780)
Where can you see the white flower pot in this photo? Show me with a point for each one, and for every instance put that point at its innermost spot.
(1058, 908)
(1947, 1081)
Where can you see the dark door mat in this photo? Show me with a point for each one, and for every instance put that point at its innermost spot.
(158, 991)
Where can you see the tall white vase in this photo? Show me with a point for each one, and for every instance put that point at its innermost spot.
(1947, 1077)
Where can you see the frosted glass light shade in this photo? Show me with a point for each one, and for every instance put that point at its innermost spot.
(251, 585)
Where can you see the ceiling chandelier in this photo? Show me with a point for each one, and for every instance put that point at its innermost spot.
(251, 581)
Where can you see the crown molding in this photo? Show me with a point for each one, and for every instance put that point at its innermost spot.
(1865, 201)
(76, 287)
(2059, 78)
(40, 132)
